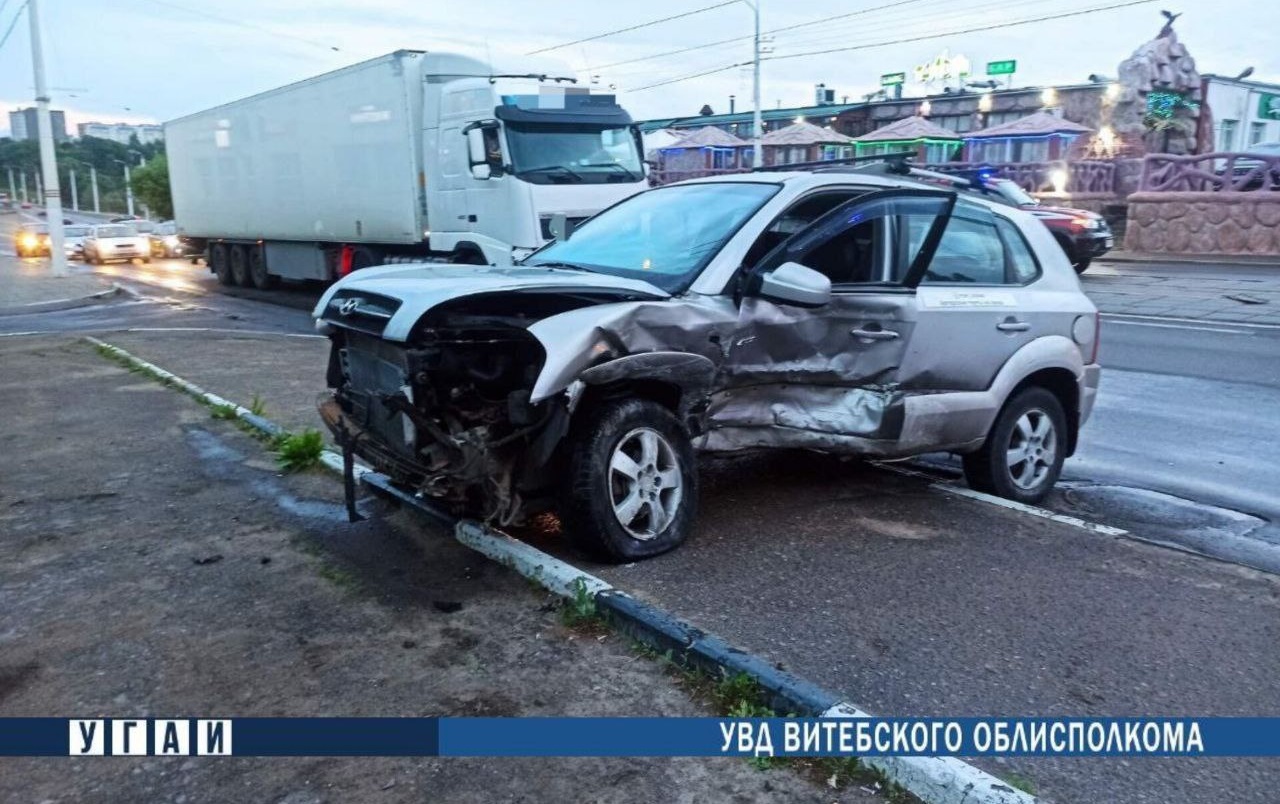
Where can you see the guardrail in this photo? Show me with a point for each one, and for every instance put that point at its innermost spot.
(1216, 172)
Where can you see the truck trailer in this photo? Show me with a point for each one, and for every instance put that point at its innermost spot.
(410, 156)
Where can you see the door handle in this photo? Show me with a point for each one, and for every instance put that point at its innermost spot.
(874, 334)
(1013, 326)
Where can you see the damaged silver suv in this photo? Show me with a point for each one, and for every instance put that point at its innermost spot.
(838, 310)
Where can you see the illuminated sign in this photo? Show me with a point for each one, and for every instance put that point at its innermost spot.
(1269, 106)
(889, 79)
(1006, 67)
(944, 67)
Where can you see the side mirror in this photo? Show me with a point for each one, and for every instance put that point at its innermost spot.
(476, 153)
(560, 226)
(793, 283)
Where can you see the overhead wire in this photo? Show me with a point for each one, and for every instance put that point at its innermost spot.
(635, 27)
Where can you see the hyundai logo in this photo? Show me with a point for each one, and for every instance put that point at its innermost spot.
(348, 306)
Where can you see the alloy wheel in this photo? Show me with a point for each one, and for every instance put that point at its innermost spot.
(1033, 449)
(645, 483)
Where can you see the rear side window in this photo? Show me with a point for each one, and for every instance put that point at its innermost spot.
(970, 250)
(1023, 267)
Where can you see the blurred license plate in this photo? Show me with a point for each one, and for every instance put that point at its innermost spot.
(1110, 241)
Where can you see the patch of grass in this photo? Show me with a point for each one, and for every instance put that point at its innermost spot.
(739, 695)
(580, 610)
(225, 412)
(339, 577)
(1020, 782)
(297, 452)
(258, 406)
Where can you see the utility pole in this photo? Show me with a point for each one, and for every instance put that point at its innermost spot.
(757, 127)
(75, 198)
(23, 176)
(48, 159)
(93, 180)
(13, 191)
(128, 189)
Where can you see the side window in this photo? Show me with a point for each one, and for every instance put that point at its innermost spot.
(1023, 267)
(970, 251)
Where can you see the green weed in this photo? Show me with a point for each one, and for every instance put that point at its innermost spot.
(297, 452)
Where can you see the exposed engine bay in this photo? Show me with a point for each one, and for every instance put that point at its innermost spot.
(448, 413)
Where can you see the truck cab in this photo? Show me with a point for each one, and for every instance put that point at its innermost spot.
(511, 149)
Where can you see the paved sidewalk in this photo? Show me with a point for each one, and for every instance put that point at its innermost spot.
(30, 282)
(1155, 290)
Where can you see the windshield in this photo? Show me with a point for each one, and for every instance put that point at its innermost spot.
(117, 231)
(1014, 193)
(76, 231)
(166, 229)
(550, 153)
(38, 228)
(663, 236)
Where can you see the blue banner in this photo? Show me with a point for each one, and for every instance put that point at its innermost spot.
(641, 736)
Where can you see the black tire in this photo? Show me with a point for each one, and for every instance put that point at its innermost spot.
(587, 508)
(1081, 265)
(258, 270)
(988, 469)
(362, 257)
(220, 262)
(1069, 249)
(239, 261)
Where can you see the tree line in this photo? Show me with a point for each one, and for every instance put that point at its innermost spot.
(150, 181)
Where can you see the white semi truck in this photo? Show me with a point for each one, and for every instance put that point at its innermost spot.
(412, 155)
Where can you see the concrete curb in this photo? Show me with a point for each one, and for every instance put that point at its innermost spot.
(1212, 259)
(935, 780)
(65, 304)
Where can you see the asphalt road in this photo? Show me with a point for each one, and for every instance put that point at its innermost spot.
(913, 602)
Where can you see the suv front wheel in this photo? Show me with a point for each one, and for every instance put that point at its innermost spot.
(1024, 451)
(632, 486)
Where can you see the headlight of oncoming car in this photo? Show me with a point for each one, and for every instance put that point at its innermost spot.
(1085, 223)
(171, 240)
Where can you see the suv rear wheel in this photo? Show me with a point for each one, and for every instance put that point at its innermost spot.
(632, 486)
(1024, 451)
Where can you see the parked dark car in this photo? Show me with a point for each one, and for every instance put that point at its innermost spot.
(1083, 235)
(165, 241)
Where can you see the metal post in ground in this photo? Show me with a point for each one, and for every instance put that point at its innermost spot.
(48, 158)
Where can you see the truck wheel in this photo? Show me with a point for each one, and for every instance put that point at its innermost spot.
(220, 263)
(239, 265)
(362, 257)
(258, 270)
(632, 486)
(1024, 451)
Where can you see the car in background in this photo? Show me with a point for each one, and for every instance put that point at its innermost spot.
(125, 219)
(73, 238)
(165, 241)
(1083, 235)
(31, 240)
(1255, 169)
(115, 241)
(837, 311)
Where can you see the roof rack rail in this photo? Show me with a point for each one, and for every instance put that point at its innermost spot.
(849, 160)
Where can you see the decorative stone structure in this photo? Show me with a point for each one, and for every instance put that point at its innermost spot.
(1160, 103)
(1204, 223)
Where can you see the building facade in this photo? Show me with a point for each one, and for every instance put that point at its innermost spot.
(122, 132)
(1244, 112)
(24, 124)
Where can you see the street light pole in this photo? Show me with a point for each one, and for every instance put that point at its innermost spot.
(23, 176)
(128, 189)
(75, 198)
(93, 181)
(13, 191)
(757, 127)
(48, 159)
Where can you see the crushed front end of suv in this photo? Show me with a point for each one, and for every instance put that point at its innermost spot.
(836, 311)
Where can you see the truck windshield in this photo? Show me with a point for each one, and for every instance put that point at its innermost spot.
(664, 236)
(551, 153)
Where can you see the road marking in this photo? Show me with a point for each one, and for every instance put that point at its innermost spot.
(20, 334)
(1043, 513)
(1118, 318)
(1182, 326)
(228, 331)
(964, 491)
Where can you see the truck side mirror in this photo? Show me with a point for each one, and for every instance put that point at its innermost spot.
(560, 227)
(476, 155)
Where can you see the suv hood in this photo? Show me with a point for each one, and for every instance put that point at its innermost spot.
(402, 294)
(1064, 211)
